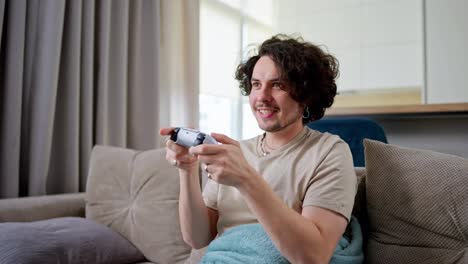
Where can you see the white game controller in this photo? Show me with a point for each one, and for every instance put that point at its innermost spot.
(189, 137)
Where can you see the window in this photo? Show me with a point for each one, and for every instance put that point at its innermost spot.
(226, 29)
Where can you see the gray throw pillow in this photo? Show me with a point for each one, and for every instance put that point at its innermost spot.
(417, 203)
(64, 240)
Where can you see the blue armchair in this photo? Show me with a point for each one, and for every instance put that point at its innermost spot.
(352, 130)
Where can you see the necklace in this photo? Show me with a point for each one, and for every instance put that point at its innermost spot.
(262, 148)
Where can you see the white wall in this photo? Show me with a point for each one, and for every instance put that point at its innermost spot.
(446, 51)
(378, 42)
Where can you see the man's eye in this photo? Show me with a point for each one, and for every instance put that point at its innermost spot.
(255, 85)
(278, 85)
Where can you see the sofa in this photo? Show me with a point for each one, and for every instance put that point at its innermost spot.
(412, 206)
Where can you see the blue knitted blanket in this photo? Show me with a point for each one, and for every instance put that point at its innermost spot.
(250, 244)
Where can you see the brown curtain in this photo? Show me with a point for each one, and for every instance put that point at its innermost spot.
(74, 73)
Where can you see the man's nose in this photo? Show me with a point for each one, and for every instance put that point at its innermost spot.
(265, 93)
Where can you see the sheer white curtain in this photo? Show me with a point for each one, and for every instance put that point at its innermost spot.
(179, 62)
(77, 73)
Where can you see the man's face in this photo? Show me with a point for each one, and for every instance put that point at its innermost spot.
(269, 100)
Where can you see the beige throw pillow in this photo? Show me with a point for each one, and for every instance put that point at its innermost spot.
(136, 194)
(417, 203)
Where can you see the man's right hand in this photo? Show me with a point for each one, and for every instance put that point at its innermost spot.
(197, 221)
(177, 155)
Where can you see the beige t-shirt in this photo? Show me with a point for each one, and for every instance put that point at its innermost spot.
(314, 169)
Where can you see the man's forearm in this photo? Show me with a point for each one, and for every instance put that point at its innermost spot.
(297, 238)
(193, 214)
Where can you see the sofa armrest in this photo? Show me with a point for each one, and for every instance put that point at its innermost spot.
(26, 209)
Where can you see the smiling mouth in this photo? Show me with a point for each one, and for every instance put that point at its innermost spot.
(266, 112)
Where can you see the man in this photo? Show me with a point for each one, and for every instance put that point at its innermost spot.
(299, 184)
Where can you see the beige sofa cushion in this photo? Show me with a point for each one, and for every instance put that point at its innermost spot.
(417, 203)
(136, 194)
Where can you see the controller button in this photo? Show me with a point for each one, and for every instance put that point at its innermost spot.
(174, 134)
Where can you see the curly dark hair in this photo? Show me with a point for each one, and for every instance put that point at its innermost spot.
(309, 72)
